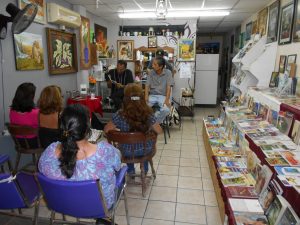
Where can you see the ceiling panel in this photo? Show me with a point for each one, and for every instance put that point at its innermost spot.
(229, 24)
(253, 4)
(237, 16)
(224, 4)
(207, 25)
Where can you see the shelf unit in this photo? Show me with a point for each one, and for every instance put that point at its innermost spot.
(157, 29)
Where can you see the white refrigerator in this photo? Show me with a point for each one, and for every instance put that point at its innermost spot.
(206, 79)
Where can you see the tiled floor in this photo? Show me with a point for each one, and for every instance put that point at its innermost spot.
(182, 193)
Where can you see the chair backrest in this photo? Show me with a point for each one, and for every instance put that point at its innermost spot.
(19, 192)
(48, 135)
(81, 199)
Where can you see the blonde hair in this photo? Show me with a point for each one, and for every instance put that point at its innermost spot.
(50, 100)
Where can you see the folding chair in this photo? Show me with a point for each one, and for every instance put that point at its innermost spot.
(5, 159)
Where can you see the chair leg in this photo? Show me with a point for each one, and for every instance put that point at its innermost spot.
(165, 135)
(17, 162)
(143, 178)
(52, 217)
(126, 206)
(152, 168)
(9, 165)
(168, 128)
(34, 162)
(36, 213)
(2, 169)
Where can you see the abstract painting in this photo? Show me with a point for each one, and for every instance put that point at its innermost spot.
(85, 50)
(62, 52)
(286, 25)
(101, 40)
(29, 53)
(273, 22)
(125, 50)
(186, 49)
(41, 14)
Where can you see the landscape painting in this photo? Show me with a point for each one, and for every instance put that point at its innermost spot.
(29, 53)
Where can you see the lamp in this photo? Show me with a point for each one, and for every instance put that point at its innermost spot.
(161, 9)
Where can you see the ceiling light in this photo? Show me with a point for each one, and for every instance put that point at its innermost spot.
(161, 8)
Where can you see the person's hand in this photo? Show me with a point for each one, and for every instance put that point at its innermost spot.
(167, 103)
(119, 85)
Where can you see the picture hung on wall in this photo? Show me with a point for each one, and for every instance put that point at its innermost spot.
(101, 40)
(254, 27)
(125, 50)
(248, 31)
(273, 22)
(274, 79)
(282, 63)
(291, 58)
(286, 24)
(85, 50)
(62, 52)
(41, 13)
(296, 36)
(241, 41)
(186, 49)
(231, 43)
(152, 42)
(262, 21)
(208, 48)
(29, 53)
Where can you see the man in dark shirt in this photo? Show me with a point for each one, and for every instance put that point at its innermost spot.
(116, 80)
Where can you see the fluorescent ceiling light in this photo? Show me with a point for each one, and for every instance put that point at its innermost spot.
(174, 14)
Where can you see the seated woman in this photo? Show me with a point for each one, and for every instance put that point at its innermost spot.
(50, 105)
(74, 158)
(135, 115)
(23, 111)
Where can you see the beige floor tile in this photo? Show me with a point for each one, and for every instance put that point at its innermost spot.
(167, 194)
(136, 207)
(213, 216)
(157, 222)
(190, 183)
(210, 198)
(189, 137)
(168, 170)
(207, 184)
(172, 146)
(189, 142)
(189, 162)
(205, 172)
(175, 139)
(165, 181)
(190, 196)
(179, 223)
(121, 220)
(190, 213)
(135, 190)
(160, 210)
(170, 153)
(189, 147)
(189, 171)
(190, 154)
(171, 161)
(203, 162)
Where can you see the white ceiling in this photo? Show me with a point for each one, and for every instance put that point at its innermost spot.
(239, 10)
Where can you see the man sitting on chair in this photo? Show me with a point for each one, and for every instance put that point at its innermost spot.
(116, 80)
(158, 88)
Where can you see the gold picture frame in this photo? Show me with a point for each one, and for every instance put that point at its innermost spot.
(152, 42)
(125, 50)
(186, 49)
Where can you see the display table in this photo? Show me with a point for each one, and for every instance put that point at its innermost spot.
(265, 99)
(289, 108)
(93, 104)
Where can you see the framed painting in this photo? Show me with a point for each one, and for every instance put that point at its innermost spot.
(231, 43)
(286, 24)
(296, 36)
(274, 80)
(262, 21)
(291, 58)
(101, 40)
(41, 13)
(29, 53)
(248, 31)
(273, 22)
(85, 50)
(62, 52)
(282, 63)
(152, 42)
(125, 50)
(186, 49)
(254, 27)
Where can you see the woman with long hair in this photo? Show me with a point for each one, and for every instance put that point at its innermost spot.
(74, 158)
(135, 115)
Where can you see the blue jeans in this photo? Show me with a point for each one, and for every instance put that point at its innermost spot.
(131, 169)
(163, 109)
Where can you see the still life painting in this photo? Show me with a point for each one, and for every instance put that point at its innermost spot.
(186, 49)
(85, 50)
(41, 14)
(29, 53)
(125, 50)
(62, 52)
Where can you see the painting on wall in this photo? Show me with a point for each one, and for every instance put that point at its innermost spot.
(101, 40)
(152, 42)
(273, 22)
(286, 24)
(85, 50)
(291, 58)
(248, 31)
(125, 50)
(262, 21)
(186, 49)
(29, 53)
(296, 36)
(41, 13)
(254, 27)
(282, 63)
(62, 52)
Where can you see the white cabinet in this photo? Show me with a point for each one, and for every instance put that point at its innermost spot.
(206, 87)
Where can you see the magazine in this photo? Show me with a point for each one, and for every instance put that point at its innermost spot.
(242, 192)
(242, 218)
(272, 154)
(289, 180)
(263, 179)
(295, 136)
(245, 205)
(277, 161)
(274, 210)
(285, 170)
(293, 158)
(266, 197)
(289, 217)
(285, 120)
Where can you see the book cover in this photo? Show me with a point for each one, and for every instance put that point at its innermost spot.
(242, 192)
(242, 218)
(288, 180)
(272, 154)
(289, 217)
(293, 157)
(274, 211)
(285, 170)
(295, 136)
(285, 120)
(245, 205)
(266, 197)
(277, 161)
(263, 179)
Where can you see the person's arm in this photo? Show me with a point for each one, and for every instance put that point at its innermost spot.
(157, 128)
(146, 92)
(108, 81)
(109, 126)
(168, 92)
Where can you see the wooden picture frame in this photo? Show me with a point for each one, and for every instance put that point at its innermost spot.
(291, 58)
(125, 50)
(248, 31)
(282, 63)
(186, 49)
(286, 24)
(274, 10)
(274, 80)
(85, 49)
(101, 40)
(152, 42)
(61, 44)
(254, 27)
(41, 13)
(296, 32)
(262, 21)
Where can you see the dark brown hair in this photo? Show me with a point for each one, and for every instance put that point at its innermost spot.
(50, 100)
(135, 109)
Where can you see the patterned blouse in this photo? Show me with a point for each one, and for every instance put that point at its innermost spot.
(102, 164)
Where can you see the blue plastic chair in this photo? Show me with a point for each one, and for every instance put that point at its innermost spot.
(81, 199)
(5, 159)
(17, 192)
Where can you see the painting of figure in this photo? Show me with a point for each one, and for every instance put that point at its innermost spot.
(85, 50)
(125, 50)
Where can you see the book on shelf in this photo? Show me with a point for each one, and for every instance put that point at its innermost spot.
(243, 218)
(263, 179)
(289, 180)
(237, 179)
(292, 157)
(253, 163)
(242, 192)
(288, 217)
(266, 197)
(277, 161)
(246, 205)
(285, 120)
(273, 117)
(237, 164)
(287, 170)
(272, 154)
(295, 136)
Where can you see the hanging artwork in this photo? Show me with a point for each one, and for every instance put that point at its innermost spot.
(29, 53)
(254, 27)
(186, 49)
(262, 21)
(273, 22)
(248, 31)
(152, 42)
(62, 52)
(282, 63)
(125, 50)
(291, 58)
(296, 36)
(101, 40)
(286, 24)
(41, 13)
(85, 50)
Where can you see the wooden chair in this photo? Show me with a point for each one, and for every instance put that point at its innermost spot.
(127, 142)
(25, 145)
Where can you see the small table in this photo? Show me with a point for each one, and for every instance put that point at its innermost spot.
(93, 104)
